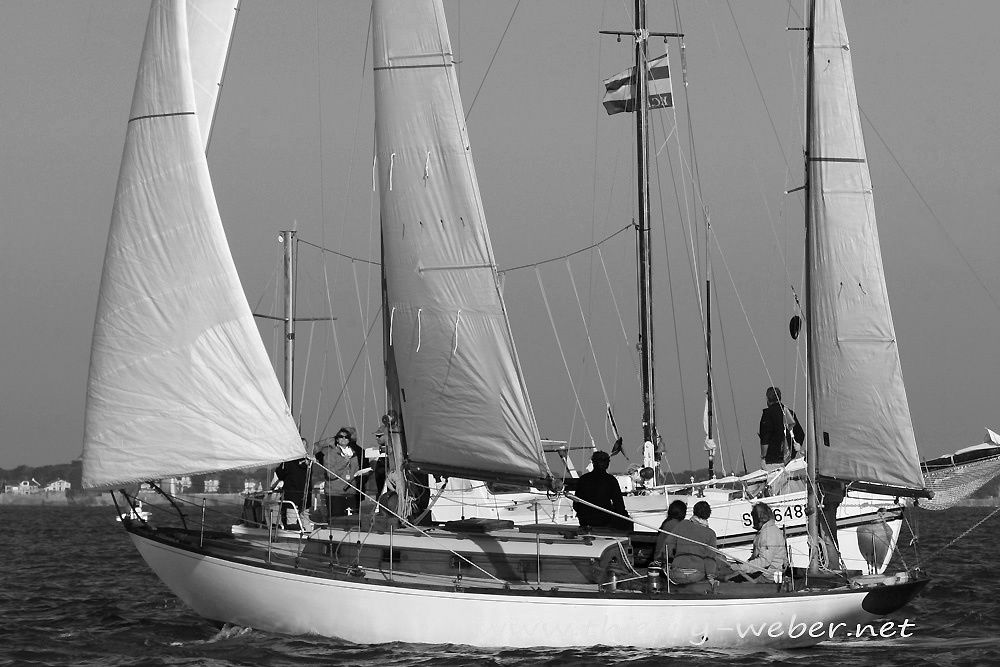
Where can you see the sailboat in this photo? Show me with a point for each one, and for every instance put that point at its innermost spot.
(180, 384)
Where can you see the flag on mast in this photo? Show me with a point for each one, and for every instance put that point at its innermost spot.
(619, 93)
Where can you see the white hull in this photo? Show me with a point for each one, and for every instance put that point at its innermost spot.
(285, 600)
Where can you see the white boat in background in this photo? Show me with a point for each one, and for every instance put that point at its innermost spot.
(868, 523)
(135, 513)
(180, 382)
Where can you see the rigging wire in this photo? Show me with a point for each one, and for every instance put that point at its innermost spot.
(756, 80)
(673, 311)
(570, 254)
(746, 315)
(354, 364)
(490, 65)
(937, 220)
(618, 312)
(964, 533)
(562, 354)
(586, 329)
(330, 251)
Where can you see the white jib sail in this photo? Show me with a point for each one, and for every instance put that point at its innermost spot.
(210, 29)
(464, 403)
(862, 419)
(179, 379)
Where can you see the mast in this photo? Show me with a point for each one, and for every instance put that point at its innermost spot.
(288, 239)
(639, 103)
(709, 403)
(812, 506)
(646, 373)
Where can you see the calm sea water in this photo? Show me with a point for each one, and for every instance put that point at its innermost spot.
(73, 591)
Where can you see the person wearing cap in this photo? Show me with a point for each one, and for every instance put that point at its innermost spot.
(341, 467)
(600, 488)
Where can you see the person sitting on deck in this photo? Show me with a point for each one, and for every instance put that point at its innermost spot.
(676, 513)
(693, 548)
(600, 488)
(770, 553)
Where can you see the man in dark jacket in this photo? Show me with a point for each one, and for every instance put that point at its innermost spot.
(778, 427)
(294, 476)
(601, 488)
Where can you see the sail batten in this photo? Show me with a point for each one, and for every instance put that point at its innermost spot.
(179, 379)
(861, 417)
(460, 389)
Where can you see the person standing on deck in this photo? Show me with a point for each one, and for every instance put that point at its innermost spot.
(375, 458)
(780, 432)
(294, 478)
(600, 488)
(341, 466)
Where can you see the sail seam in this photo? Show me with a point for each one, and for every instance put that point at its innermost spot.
(385, 67)
(163, 115)
(456, 267)
(859, 160)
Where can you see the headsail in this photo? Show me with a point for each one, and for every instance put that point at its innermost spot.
(461, 391)
(179, 380)
(210, 29)
(861, 417)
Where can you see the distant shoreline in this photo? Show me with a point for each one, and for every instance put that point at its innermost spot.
(104, 499)
(54, 498)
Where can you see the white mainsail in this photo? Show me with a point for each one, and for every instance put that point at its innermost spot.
(861, 417)
(461, 391)
(210, 28)
(179, 379)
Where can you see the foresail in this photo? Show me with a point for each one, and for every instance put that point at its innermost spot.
(179, 379)
(861, 417)
(462, 395)
(210, 29)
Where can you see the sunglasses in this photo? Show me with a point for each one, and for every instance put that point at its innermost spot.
(343, 437)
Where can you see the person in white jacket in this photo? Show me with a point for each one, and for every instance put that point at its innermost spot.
(770, 553)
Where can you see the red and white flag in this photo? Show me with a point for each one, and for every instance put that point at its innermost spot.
(620, 89)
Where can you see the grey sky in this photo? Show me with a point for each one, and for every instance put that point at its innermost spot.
(284, 153)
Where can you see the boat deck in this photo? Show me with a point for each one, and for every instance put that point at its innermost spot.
(228, 547)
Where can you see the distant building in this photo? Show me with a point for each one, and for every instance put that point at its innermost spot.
(252, 486)
(25, 487)
(176, 485)
(58, 486)
(211, 485)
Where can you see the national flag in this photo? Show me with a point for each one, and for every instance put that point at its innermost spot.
(620, 89)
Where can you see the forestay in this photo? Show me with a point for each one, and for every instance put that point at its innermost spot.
(861, 417)
(461, 391)
(179, 379)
